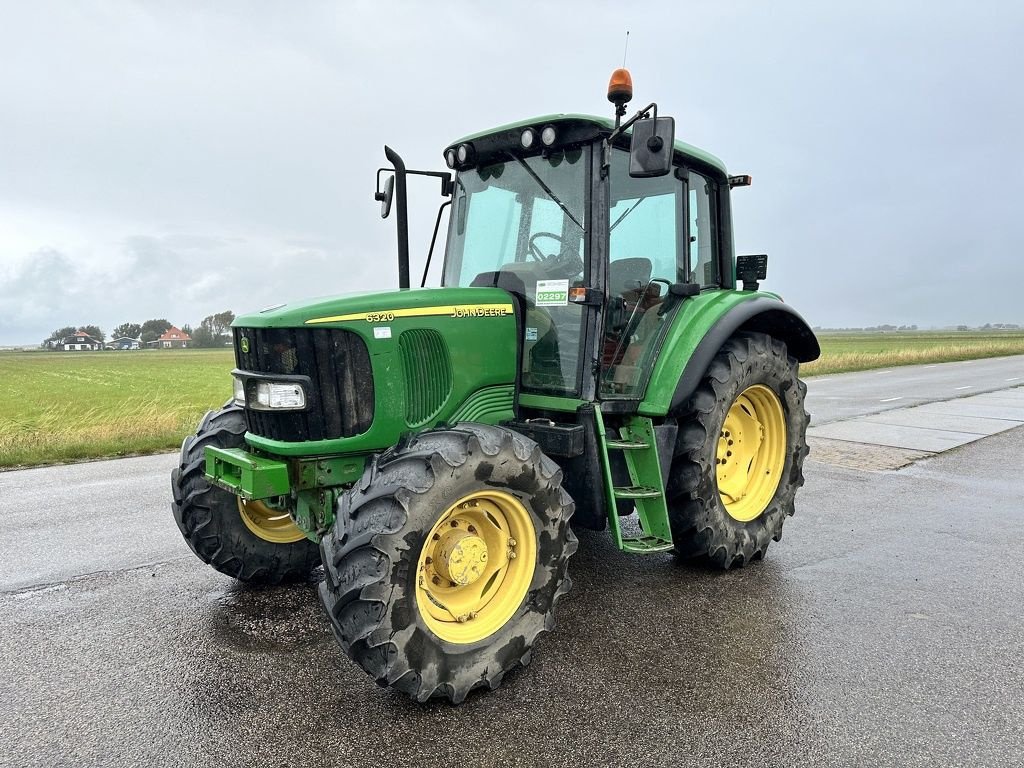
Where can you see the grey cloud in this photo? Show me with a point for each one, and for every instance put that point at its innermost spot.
(193, 157)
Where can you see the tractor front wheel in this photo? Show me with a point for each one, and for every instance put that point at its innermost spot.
(739, 454)
(447, 559)
(252, 541)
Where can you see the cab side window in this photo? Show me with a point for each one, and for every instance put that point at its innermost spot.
(703, 218)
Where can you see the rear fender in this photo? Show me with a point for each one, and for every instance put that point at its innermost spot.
(763, 315)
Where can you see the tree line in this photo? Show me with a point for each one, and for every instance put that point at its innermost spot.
(213, 331)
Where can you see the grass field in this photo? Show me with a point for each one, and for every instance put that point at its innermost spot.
(63, 406)
(842, 352)
(67, 406)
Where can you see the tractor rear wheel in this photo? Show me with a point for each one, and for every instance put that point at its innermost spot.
(252, 541)
(447, 559)
(739, 454)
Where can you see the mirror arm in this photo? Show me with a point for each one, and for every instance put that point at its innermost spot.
(606, 149)
(378, 195)
(401, 204)
(447, 185)
(433, 239)
(643, 113)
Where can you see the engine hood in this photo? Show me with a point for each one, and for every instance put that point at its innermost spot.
(375, 308)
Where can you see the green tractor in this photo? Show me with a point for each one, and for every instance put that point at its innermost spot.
(588, 359)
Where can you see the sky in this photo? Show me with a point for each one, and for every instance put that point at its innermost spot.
(172, 160)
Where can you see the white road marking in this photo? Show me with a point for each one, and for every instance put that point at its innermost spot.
(1013, 378)
(879, 373)
(966, 387)
(890, 399)
(930, 366)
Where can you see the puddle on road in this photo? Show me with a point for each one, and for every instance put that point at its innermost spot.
(267, 619)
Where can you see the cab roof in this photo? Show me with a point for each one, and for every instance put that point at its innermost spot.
(601, 123)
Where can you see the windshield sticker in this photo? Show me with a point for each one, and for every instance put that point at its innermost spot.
(531, 334)
(552, 293)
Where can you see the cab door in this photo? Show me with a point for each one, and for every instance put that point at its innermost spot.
(647, 252)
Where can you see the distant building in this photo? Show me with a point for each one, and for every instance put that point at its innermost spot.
(173, 338)
(81, 342)
(124, 342)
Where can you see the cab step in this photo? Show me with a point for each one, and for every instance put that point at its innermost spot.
(627, 445)
(645, 545)
(637, 441)
(636, 492)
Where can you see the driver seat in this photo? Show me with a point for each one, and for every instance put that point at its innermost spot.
(629, 275)
(543, 344)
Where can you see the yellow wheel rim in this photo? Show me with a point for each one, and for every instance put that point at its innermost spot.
(751, 453)
(268, 522)
(476, 566)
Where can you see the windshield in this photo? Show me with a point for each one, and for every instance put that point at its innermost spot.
(525, 215)
(521, 225)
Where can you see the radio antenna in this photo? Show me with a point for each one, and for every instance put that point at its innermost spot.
(626, 50)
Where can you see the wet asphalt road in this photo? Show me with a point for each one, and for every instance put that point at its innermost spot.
(885, 629)
(845, 395)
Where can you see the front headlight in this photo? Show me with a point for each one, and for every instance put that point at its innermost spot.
(239, 391)
(283, 396)
(262, 395)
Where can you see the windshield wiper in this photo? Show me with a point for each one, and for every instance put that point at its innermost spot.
(626, 213)
(547, 189)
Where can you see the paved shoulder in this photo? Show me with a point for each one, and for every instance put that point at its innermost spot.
(895, 438)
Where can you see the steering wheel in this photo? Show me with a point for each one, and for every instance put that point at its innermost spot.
(560, 264)
(534, 250)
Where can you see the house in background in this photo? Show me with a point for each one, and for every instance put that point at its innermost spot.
(124, 343)
(173, 338)
(81, 342)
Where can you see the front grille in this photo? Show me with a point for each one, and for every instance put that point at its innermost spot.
(340, 400)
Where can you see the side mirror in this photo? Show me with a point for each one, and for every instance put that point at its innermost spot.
(650, 154)
(386, 197)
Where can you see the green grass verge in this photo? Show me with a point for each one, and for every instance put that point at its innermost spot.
(843, 352)
(66, 406)
(70, 406)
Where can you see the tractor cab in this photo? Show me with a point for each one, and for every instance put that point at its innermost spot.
(600, 229)
(599, 258)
